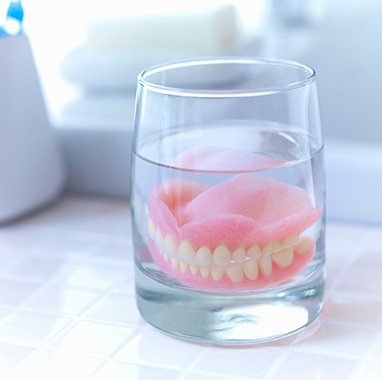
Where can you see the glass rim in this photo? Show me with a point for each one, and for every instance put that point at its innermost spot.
(227, 93)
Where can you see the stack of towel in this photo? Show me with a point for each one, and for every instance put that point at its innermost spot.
(116, 49)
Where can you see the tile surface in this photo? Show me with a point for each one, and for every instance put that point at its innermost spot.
(67, 308)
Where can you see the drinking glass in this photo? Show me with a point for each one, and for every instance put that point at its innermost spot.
(228, 199)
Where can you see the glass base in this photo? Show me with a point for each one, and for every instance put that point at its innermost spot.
(230, 319)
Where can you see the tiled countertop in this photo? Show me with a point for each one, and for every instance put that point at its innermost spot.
(67, 308)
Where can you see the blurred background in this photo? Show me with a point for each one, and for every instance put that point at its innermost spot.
(88, 55)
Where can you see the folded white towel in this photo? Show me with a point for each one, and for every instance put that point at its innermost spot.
(196, 30)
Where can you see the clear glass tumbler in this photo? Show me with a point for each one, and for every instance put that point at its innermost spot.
(228, 199)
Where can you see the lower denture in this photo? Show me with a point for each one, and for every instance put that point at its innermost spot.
(245, 233)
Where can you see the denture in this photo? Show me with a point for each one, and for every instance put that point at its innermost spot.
(248, 232)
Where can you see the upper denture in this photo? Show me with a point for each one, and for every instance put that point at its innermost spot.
(244, 210)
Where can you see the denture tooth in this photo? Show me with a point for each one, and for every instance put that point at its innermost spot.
(152, 229)
(274, 246)
(194, 269)
(174, 263)
(186, 252)
(170, 246)
(265, 265)
(284, 257)
(217, 272)
(222, 255)
(290, 240)
(203, 256)
(251, 269)
(204, 271)
(183, 267)
(254, 252)
(238, 255)
(235, 272)
(304, 245)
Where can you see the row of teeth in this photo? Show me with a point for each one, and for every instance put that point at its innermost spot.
(236, 264)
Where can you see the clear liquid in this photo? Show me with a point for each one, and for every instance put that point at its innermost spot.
(211, 156)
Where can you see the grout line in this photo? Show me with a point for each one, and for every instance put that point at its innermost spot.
(319, 352)
(276, 365)
(348, 262)
(349, 323)
(187, 369)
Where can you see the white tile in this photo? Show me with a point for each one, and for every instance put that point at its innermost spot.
(31, 327)
(194, 375)
(354, 308)
(91, 276)
(47, 365)
(344, 241)
(123, 253)
(338, 231)
(11, 355)
(127, 285)
(238, 361)
(338, 340)
(17, 243)
(37, 267)
(13, 292)
(62, 300)
(117, 309)
(361, 281)
(124, 371)
(374, 235)
(369, 370)
(90, 338)
(298, 365)
(8, 259)
(87, 215)
(152, 347)
(4, 311)
(333, 275)
(65, 246)
(376, 347)
(369, 258)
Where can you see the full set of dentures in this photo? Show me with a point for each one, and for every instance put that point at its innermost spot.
(247, 232)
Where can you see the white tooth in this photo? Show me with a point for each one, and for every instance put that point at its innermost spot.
(235, 272)
(203, 256)
(166, 258)
(254, 252)
(304, 245)
(265, 265)
(290, 240)
(222, 255)
(183, 267)
(204, 271)
(238, 255)
(194, 269)
(158, 238)
(274, 246)
(284, 257)
(174, 263)
(185, 252)
(170, 246)
(152, 229)
(251, 270)
(217, 272)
